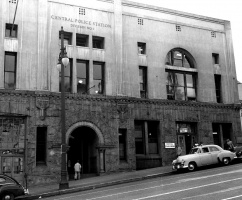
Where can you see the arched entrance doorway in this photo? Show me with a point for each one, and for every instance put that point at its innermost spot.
(83, 142)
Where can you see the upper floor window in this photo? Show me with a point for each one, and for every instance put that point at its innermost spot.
(143, 81)
(180, 85)
(11, 30)
(98, 77)
(179, 58)
(81, 40)
(67, 38)
(141, 48)
(10, 63)
(67, 77)
(215, 57)
(98, 42)
(217, 79)
(82, 76)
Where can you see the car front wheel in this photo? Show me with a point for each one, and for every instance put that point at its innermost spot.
(192, 166)
(7, 196)
(226, 161)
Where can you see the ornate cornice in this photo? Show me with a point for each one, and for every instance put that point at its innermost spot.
(117, 99)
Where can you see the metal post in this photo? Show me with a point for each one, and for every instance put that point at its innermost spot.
(64, 182)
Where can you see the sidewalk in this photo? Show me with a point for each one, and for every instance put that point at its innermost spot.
(96, 182)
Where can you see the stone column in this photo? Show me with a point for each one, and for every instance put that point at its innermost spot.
(101, 152)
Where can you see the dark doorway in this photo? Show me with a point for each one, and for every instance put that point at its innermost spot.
(83, 142)
(221, 132)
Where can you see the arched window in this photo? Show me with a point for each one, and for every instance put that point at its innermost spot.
(180, 58)
(180, 81)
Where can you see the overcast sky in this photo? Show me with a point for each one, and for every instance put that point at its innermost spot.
(230, 10)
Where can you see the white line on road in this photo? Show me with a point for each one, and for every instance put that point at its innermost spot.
(217, 192)
(235, 197)
(153, 196)
(179, 181)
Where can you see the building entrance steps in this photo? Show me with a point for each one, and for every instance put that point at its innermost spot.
(84, 184)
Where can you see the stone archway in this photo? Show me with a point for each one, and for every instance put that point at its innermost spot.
(84, 138)
(88, 124)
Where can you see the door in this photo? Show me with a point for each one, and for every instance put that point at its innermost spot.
(13, 166)
(205, 156)
(181, 142)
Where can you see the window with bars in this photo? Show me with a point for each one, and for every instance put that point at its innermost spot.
(11, 30)
(10, 63)
(82, 76)
(143, 81)
(67, 77)
(146, 137)
(180, 85)
(81, 40)
(41, 142)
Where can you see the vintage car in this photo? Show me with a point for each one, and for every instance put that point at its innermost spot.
(203, 155)
(10, 188)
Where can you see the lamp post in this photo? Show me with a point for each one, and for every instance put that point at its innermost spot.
(63, 62)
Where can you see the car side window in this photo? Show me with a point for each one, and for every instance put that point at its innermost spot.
(205, 149)
(212, 149)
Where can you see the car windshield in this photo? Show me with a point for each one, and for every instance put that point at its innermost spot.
(195, 150)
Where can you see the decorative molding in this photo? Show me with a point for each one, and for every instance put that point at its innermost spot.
(42, 104)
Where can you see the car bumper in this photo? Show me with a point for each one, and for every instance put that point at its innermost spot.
(178, 166)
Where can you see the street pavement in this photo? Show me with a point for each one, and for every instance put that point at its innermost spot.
(84, 184)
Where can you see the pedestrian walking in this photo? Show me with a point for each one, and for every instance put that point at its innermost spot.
(77, 168)
(179, 151)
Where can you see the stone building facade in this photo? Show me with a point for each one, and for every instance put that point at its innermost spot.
(141, 80)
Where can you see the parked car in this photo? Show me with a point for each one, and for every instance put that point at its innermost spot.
(203, 155)
(10, 188)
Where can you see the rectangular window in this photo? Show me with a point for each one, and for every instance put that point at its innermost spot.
(67, 38)
(122, 144)
(215, 57)
(152, 137)
(81, 40)
(41, 141)
(180, 86)
(141, 48)
(217, 79)
(97, 42)
(82, 76)
(143, 81)
(11, 30)
(146, 137)
(98, 77)
(10, 63)
(67, 77)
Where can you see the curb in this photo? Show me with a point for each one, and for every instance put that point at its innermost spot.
(90, 187)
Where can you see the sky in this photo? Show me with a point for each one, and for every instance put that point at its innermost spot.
(230, 10)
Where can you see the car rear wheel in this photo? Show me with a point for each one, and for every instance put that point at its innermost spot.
(192, 166)
(7, 196)
(226, 161)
